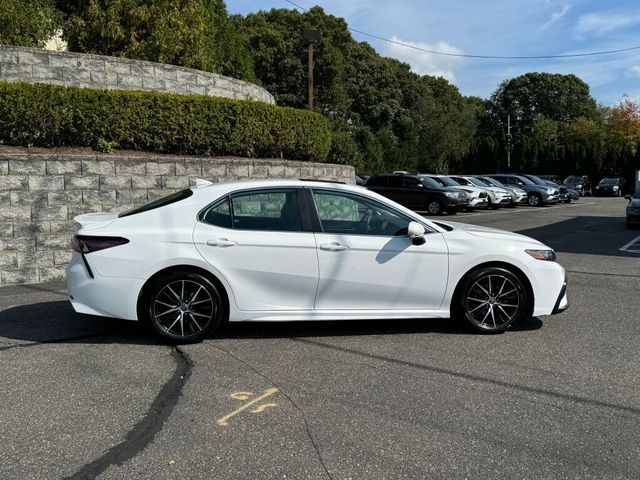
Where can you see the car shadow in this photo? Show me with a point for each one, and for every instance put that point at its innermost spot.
(589, 235)
(57, 322)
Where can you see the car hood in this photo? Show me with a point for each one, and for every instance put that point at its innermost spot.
(495, 234)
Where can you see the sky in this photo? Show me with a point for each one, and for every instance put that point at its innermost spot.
(498, 28)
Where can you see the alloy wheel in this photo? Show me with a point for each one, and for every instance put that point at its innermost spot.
(493, 299)
(183, 308)
(434, 207)
(534, 200)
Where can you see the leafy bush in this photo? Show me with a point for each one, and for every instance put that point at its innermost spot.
(50, 115)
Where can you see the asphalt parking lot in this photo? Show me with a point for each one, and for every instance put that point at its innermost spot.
(557, 397)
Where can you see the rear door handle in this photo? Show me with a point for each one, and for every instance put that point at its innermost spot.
(221, 242)
(333, 247)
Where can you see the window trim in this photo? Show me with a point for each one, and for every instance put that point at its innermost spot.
(302, 208)
(316, 218)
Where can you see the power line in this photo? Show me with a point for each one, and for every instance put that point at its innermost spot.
(498, 57)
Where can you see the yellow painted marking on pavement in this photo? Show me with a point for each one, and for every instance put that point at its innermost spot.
(224, 421)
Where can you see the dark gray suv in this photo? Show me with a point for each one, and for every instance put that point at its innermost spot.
(537, 195)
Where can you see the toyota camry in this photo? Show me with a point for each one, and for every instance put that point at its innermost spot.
(289, 250)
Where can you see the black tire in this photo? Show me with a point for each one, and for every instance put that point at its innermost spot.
(534, 200)
(492, 299)
(434, 206)
(192, 298)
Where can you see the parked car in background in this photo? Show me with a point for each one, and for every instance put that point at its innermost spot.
(580, 183)
(610, 187)
(565, 195)
(633, 209)
(537, 195)
(498, 197)
(418, 192)
(478, 197)
(518, 196)
(361, 180)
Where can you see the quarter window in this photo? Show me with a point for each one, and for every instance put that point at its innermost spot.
(354, 215)
(219, 214)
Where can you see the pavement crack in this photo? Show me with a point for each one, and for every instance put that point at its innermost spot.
(10, 346)
(143, 432)
(288, 397)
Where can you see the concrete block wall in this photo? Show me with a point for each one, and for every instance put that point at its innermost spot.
(35, 65)
(41, 193)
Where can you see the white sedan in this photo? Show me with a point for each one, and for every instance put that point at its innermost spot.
(288, 250)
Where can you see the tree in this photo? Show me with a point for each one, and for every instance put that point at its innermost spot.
(27, 23)
(191, 33)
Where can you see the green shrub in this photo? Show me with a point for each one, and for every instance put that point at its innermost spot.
(50, 115)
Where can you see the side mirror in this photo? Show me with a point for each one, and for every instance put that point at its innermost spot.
(416, 231)
(628, 197)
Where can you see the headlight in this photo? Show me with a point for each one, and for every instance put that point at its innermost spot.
(452, 194)
(597, 188)
(548, 255)
(615, 187)
(578, 187)
(550, 191)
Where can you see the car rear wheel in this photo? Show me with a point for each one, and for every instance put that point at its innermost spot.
(434, 206)
(183, 307)
(534, 200)
(493, 299)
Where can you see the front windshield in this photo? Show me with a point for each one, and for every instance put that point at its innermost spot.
(491, 182)
(476, 182)
(429, 183)
(446, 181)
(573, 179)
(525, 180)
(536, 180)
(609, 181)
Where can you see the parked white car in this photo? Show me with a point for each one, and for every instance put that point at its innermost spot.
(498, 197)
(285, 250)
(478, 197)
(518, 196)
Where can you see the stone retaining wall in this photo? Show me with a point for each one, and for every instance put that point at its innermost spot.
(41, 193)
(35, 65)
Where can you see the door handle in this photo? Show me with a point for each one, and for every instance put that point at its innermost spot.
(221, 242)
(333, 247)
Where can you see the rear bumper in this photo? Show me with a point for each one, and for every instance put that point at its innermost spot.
(91, 293)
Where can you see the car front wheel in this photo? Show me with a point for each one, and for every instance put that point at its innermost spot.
(434, 206)
(493, 299)
(183, 307)
(534, 200)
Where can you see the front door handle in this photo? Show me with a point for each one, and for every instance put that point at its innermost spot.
(221, 242)
(333, 247)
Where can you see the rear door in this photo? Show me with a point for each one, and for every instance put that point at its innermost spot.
(261, 242)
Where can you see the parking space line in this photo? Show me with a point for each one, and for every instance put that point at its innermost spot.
(633, 246)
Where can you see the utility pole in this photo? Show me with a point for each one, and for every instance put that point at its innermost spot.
(508, 142)
(311, 38)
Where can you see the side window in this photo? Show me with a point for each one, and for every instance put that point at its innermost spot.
(411, 182)
(219, 214)
(276, 210)
(377, 181)
(342, 213)
(395, 182)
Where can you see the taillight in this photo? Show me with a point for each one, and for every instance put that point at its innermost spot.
(88, 244)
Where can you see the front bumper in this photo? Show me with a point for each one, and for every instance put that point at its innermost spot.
(563, 302)
(551, 198)
(478, 203)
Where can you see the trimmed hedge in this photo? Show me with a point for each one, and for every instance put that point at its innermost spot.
(49, 115)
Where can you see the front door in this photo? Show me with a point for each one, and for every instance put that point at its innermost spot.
(367, 261)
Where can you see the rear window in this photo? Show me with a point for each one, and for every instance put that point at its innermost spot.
(161, 202)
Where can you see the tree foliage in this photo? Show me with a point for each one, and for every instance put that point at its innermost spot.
(191, 33)
(27, 23)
